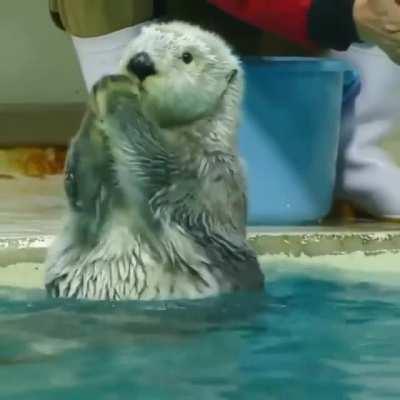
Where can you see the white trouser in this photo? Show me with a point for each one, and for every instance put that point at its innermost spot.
(99, 56)
(368, 176)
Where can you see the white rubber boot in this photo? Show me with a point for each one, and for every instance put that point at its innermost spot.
(368, 175)
(99, 56)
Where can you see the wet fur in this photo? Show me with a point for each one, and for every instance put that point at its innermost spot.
(157, 206)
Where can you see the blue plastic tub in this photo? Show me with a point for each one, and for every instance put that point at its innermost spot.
(289, 137)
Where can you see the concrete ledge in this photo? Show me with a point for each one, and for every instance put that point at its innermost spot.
(310, 242)
(21, 258)
(320, 241)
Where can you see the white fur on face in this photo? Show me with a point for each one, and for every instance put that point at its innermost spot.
(181, 92)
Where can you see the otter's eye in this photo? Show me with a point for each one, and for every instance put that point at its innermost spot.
(187, 57)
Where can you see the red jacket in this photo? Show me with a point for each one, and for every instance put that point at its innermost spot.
(312, 23)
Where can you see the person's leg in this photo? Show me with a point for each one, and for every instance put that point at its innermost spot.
(100, 55)
(368, 176)
(100, 30)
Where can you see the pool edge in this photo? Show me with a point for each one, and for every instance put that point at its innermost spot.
(21, 258)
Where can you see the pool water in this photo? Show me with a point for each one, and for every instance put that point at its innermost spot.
(309, 336)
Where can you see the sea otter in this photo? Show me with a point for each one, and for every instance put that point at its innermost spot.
(157, 197)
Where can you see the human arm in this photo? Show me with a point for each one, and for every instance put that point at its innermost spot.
(332, 24)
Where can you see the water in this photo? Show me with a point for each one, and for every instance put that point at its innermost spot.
(310, 336)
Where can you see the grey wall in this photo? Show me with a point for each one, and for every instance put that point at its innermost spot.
(37, 61)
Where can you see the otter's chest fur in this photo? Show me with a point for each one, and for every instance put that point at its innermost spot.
(127, 267)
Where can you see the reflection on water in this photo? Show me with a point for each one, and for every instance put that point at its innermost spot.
(307, 337)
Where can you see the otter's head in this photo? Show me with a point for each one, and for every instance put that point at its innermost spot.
(182, 73)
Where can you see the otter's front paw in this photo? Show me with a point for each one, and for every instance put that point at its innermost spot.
(106, 92)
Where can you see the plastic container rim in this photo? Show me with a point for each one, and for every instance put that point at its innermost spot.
(303, 64)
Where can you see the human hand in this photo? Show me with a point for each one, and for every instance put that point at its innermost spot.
(378, 22)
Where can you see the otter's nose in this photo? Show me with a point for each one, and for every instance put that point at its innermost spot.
(141, 65)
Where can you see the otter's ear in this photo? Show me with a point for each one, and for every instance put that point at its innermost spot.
(231, 76)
